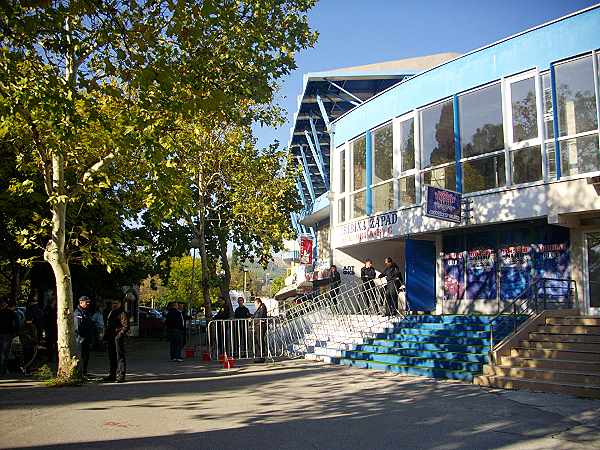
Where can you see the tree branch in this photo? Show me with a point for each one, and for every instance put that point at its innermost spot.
(98, 167)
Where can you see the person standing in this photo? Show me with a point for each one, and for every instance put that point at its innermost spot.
(85, 333)
(51, 329)
(367, 275)
(117, 326)
(175, 331)
(241, 311)
(335, 281)
(9, 326)
(240, 330)
(260, 330)
(394, 279)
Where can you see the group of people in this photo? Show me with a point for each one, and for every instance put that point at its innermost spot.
(391, 273)
(115, 331)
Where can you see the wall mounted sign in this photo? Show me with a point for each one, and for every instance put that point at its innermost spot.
(306, 250)
(515, 271)
(442, 204)
(381, 226)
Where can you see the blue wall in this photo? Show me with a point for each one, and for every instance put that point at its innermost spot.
(537, 48)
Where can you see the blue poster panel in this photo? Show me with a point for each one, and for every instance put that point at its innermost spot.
(515, 270)
(454, 275)
(442, 204)
(552, 261)
(481, 274)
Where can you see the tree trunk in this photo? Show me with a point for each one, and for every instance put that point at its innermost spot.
(201, 231)
(226, 281)
(56, 257)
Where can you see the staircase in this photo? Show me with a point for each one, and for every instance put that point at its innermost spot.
(559, 353)
(449, 346)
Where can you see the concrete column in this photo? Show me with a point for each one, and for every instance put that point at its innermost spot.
(578, 266)
(439, 278)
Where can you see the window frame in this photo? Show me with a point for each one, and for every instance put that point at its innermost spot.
(350, 189)
(342, 195)
(399, 171)
(374, 162)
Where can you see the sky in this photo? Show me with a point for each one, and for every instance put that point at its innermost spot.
(357, 32)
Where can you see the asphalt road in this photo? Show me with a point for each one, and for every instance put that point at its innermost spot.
(285, 405)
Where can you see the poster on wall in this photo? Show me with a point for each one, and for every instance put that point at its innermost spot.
(306, 250)
(552, 261)
(454, 275)
(481, 274)
(515, 270)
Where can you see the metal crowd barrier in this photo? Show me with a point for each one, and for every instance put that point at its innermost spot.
(244, 338)
(348, 311)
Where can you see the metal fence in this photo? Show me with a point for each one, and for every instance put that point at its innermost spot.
(245, 338)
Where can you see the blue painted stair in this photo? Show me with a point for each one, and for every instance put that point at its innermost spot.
(444, 346)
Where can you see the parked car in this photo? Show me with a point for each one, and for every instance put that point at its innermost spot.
(152, 322)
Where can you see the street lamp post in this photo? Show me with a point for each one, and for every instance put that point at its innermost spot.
(195, 243)
(245, 272)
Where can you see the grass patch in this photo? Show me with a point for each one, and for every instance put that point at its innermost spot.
(61, 382)
(43, 373)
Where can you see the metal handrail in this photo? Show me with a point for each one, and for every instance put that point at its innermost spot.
(528, 302)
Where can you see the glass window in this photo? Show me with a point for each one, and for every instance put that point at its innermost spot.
(526, 165)
(383, 197)
(524, 113)
(442, 177)
(407, 144)
(359, 154)
(548, 111)
(383, 153)
(576, 97)
(481, 121)
(406, 191)
(483, 173)
(437, 125)
(359, 204)
(342, 210)
(342, 187)
(579, 155)
(551, 158)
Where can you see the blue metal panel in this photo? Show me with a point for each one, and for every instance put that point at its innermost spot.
(306, 173)
(555, 122)
(316, 152)
(321, 161)
(457, 149)
(323, 111)
(301, 192)
(369, 170)
(420, 275)
(539, 47)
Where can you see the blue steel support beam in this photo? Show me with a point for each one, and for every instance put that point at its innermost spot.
(316, 152)
(323, 111)
(457, 149)
(301, 192)
(350, 94)
(319, 152)
(306, 173)
(369, 170)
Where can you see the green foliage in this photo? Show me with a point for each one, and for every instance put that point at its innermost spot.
(278, 284)
(179, 287)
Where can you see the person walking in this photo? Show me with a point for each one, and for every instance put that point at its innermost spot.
(260, 330)
(117, 327)
(175, 331)
(85, 333)
(367, 275)
(394, 279)
(9, 326)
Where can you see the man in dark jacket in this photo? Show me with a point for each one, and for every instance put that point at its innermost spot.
(394, 278)
(175, 331)
(240, 328)
(335, 281)
(367, 275)
(241, 311)
(260, 330)
(85, 333)
(117, 326)
(9, 326)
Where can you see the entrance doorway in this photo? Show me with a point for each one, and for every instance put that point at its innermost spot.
(592, 272)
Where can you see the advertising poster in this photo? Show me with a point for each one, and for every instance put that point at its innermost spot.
(552, 261)
(481, 274)
(515, 270)
(306, 250)
(442, 204)
(454, 275)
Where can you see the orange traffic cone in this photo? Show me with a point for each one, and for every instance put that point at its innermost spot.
(205, 356)
(228, 362)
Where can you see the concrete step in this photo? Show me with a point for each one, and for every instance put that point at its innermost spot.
(569, 329)
(591, 347)
(436, 354)
(431, 346)
(409, 370)
(553, 337)
(559, 376)
(328, 351)
(579, 390)
(551, 363)
(451, 332)
(574, 321)
(417, 361)
(521, 352)
(459, 340)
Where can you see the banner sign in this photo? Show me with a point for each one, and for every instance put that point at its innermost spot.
(372, 228)
(552, 261)
(481, 274)
(515, 270)
(454, 275)
(442, 204)
(306, 250)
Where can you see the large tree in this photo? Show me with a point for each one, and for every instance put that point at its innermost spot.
(88, 88)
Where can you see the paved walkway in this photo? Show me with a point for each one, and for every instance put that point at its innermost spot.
(285, 405)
